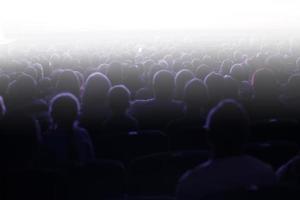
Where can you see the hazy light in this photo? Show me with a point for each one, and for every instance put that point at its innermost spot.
(25, 16)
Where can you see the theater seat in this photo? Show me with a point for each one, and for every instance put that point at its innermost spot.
(272, 130)
(102, 179)
(125, 146)
(33, 184)
(187, 138)
(276, 153)
(157, 174)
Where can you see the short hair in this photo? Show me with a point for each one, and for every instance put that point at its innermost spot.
(195, 93)
(96, 88)
(163, 84)
(215, 85)
(264, 82)
(22, 90)
(293, 85)
(225, 66)
(119, 98)
(227, 125)
(237, 71)
(181, 78)
(115, 73)
(68, 82)
(202, 71)
(64, 108)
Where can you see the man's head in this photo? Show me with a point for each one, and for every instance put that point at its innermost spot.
(227, 125)
(64, 109)
(119, 98)
(163, 85)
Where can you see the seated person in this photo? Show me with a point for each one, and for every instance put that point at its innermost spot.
(196, 100)
(290, 172)
(119, 120)
(229, 168)
(94, 107)
(157, 112)
(65, 140)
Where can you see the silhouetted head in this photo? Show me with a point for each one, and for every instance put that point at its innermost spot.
(215, 85)
(68, 82)
(225, 67)
(293, 85)
(227, 125)
(195, 94)
(237, 71)
(151, 72)
(39, 69)
(31, 71)
(181, 78)
(202, 71)
(21, 92)
(64, 109)
(163, 85)
(119, 99)
(95, 90)
(264, 84)
(115, 73)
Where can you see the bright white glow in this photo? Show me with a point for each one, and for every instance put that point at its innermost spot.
(66, 15)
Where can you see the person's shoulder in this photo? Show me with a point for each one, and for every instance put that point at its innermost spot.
(177, 103)
(250, 160)
(139, 103)
(194, 173)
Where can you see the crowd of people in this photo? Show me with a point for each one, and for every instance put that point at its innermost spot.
(61, 108)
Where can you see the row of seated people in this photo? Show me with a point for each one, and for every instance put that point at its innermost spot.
(59, 125)
(224, 166)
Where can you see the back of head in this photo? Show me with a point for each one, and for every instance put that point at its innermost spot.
(119, 99)
(96, 88)
(64, 109)
(264, 83)
(21, 92)
(68, 82)
(195, 94)
(163, 85)
(202, 71)
(181, 78)
(228, 126)
(115, 73)
(215, 85)
(225, 67)
(293, 85)
(237, 71)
